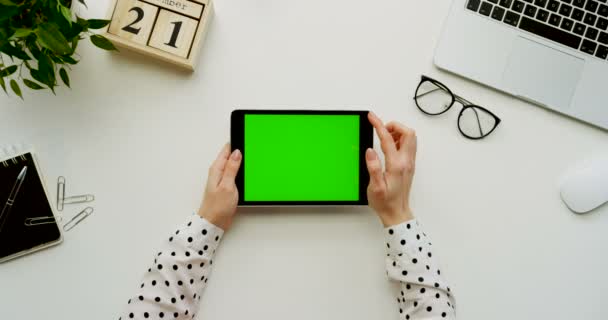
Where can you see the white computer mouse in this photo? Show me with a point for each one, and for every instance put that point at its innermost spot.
(585, 187)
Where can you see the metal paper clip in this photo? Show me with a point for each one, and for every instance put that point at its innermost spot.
(60, 192)
(79, 199)
(78, 218)
(63, 200)
(41, 220)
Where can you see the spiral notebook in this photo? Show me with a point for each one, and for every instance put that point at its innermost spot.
(23, 196)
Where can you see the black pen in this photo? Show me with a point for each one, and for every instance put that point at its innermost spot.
(11, 198)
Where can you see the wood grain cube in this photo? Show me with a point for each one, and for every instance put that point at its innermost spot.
(169, 30)
(178, 38)
(133, 20)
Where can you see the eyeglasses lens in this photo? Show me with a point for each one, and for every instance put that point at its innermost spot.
(432, 99)
(475, 122)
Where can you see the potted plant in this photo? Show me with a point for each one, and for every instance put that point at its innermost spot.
(38, 41)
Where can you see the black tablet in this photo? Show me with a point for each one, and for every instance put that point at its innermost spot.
(297, 157)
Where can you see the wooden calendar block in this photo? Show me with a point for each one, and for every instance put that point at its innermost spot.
(176, 40)
(170, 30)
(189, 8)
(134, 22)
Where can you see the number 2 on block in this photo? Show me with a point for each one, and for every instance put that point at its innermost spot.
(140, 15)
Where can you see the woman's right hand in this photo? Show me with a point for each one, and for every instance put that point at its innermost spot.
(388, 192)
(221, 195)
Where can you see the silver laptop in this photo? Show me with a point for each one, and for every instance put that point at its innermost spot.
(550, 52)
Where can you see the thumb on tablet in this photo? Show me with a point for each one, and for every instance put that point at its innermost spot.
(232, 168)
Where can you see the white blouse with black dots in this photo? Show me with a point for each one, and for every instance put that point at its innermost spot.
(173, 286)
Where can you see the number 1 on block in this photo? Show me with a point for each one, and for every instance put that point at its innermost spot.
(173, 33)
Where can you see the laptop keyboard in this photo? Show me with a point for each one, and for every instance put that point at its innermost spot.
(578, 24)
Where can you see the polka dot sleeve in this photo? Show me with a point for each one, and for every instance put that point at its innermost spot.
(173, 285)
(424, 293)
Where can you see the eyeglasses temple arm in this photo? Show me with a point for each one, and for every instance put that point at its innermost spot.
(424, 94)
(478, 122)
(457, 97)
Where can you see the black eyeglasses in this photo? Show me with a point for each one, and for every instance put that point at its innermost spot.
(434, 98)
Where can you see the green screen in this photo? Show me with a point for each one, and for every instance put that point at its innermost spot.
(301, 157)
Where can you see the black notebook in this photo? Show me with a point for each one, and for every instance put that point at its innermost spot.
(29, 200)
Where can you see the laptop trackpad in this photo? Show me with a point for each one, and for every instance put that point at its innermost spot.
(542, 74)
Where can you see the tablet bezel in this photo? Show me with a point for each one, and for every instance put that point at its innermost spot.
(366, 140)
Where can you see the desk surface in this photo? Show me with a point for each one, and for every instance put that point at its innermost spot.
(140, 136)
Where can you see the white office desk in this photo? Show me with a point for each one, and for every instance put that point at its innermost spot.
(140, 136)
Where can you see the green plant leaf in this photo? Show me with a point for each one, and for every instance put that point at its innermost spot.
(74, 31)
(45, 72)
(49, 37)
(21, 33)
(3, 36)
(34, 50)
(32, 85)
(102, 42)
(7, 12)
(8, 71)
(36, 75)
(64, 77)
(82, 22)
(69, 60)
(74, 44)
(3, 84)
(97, 23)
(56, 59)
(16, 89)
(14, 52)
(67, 13)
(7, 3)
